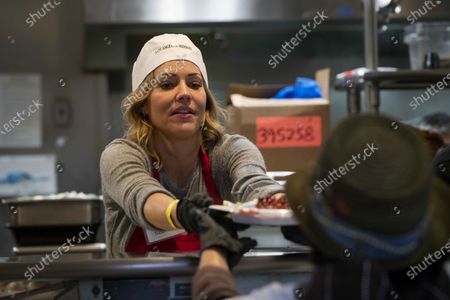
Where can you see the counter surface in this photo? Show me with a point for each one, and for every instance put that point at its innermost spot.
(85, 266)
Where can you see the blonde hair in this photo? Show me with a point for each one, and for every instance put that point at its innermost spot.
(140, 129)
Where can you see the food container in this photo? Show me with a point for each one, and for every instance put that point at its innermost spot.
(423, 38)
(51, 219)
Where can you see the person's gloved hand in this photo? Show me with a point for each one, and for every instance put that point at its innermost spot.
(200, 201)
(212, 235)
(224, 220)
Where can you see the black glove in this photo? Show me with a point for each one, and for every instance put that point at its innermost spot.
(224, 220)
(213, 235)
(200, 201)
(294, 234)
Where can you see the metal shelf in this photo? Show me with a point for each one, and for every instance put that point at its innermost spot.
(390, 80)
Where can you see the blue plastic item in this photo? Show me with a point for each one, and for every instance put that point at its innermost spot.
(16, 177)
(304, 88)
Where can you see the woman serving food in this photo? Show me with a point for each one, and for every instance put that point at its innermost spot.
(174, 147)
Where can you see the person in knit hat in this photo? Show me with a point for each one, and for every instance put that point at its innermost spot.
(376, 218)
(387, 206)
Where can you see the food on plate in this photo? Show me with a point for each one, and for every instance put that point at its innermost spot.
(248, 211)
(272, 202)
(264, 211)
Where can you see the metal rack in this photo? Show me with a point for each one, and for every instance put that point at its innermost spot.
(373, 80)
(388, 80)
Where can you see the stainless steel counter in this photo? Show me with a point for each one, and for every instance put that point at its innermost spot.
(162, 276)
(84, 266)
(159, 276)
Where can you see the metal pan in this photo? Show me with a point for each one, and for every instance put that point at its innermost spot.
(51, 219)
(55, 210)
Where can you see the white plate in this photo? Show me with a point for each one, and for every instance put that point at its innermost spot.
(247, 213)
(259, 219)
(266, 213)
(228, 209)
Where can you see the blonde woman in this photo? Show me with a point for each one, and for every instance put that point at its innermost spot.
(174, 147)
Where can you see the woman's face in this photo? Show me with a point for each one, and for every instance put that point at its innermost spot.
(177, 103)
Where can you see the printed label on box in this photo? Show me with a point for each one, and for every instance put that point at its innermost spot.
(288, 131)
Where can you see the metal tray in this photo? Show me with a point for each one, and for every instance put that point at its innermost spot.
(54, 211)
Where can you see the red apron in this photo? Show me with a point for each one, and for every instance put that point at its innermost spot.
(186, 242)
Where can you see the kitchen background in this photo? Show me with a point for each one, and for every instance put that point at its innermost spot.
(84, 52)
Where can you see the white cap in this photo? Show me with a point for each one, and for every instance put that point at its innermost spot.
(164, 48)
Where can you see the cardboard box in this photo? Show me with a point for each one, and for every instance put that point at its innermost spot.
(287, 132)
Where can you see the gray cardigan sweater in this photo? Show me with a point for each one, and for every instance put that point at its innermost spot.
(237, 168)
